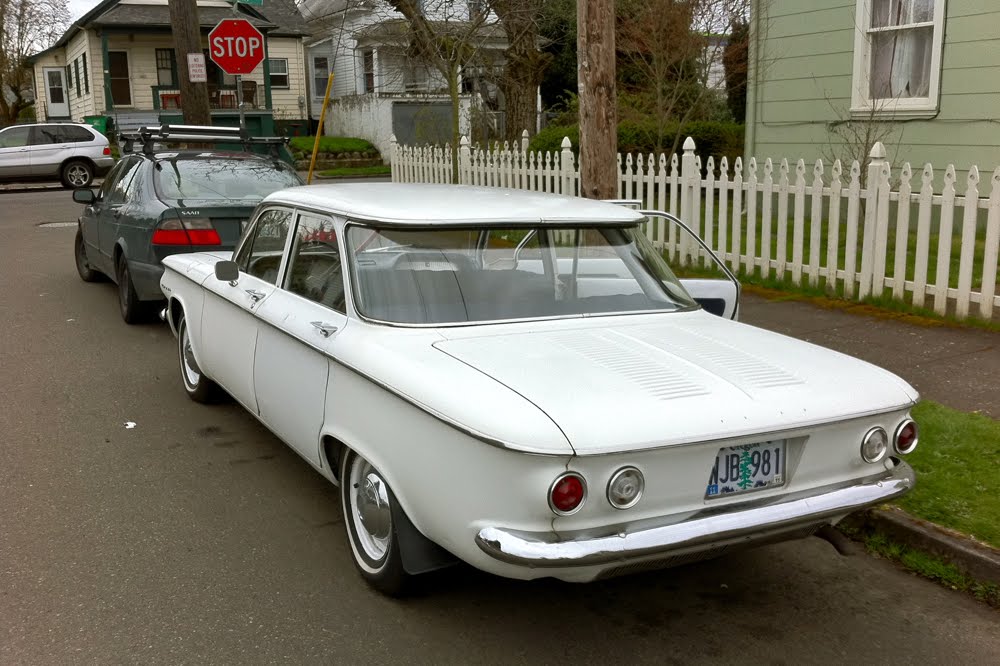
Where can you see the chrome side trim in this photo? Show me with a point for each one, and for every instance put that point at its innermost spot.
(696, 534)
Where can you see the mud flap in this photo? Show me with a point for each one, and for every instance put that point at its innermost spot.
(419, 554)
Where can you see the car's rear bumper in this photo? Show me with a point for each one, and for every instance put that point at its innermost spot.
(102, 165)
(708, 534)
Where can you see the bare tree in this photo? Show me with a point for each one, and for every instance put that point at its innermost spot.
(447, 45)
(26, 27)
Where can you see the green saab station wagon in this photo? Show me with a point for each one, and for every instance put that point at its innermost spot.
(154, 204)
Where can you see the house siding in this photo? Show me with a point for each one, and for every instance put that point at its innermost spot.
(286, 100)
(803, 83)
(83, 104)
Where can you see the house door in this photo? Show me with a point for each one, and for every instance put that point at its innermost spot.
(121, 86)
(55, 92)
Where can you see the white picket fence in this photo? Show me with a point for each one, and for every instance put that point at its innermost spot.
(884, 235)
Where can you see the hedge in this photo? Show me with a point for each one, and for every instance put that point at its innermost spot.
(714, 139)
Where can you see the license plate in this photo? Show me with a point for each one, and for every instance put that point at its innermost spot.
(743, 469)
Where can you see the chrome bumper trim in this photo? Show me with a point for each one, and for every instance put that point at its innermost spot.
(698, 533)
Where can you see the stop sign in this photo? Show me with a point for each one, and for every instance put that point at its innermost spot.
(236, 46)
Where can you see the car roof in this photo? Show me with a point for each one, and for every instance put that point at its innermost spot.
(423, 204)
(48, 124)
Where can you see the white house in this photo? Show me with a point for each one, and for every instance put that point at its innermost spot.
(380, 89)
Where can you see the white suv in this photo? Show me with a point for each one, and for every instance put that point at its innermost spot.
(72, 153)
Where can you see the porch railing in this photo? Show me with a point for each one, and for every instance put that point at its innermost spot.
(166, 98)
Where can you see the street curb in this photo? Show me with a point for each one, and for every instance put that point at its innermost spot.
(977, 560)
(24, 188)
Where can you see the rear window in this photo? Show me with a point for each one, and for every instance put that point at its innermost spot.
(62, 134)
(222, 179)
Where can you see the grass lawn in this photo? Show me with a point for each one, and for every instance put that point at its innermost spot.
(332, 144)
(952, 253)
(348, 172)
(931, 567)
(958, 471)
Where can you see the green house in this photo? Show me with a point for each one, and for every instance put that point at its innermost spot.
(828, 78)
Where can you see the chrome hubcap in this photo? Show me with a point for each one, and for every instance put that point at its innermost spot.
(192, 374)
(77, 175)
(370, 509)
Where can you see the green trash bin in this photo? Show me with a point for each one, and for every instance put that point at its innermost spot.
(99, 123)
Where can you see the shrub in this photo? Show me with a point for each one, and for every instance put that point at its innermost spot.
(715, 139)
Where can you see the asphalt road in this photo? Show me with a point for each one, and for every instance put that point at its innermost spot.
(197, 537)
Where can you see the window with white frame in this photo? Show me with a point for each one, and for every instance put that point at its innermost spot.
(368, 63)
(278, 68)
(897, 57)
(321, 74)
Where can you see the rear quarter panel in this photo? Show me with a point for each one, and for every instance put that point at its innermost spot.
(449, 483)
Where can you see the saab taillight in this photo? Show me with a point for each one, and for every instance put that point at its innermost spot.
(107, 150)
(188, 231)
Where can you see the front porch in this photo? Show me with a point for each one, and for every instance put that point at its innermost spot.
(141, 74)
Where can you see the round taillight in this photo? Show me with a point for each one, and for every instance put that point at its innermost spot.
(874, 445)
(906, 437)
(625, 487)
(567, 494)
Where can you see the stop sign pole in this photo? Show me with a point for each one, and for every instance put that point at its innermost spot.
(237, 47)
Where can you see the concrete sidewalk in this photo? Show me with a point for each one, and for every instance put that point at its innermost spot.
(957, 367)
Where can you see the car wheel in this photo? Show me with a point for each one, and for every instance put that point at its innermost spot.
(132, 309)
(367, 501)
(77, 174)
(199, 387)
(87, 274)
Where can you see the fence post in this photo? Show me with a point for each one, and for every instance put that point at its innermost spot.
(566, 168)
(524, 141)
(464, 161)
(688, 176)
(873, 218)
(394, 169)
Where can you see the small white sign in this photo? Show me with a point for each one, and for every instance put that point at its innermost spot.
(197, 71)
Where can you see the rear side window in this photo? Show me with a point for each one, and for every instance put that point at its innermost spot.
(261, 252)
(77, 134)
(47, 134)
(119, 187)
(314, 270)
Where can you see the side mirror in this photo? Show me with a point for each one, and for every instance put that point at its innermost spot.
(84, 196)
(227, 271)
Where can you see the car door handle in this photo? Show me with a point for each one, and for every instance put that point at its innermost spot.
(323, 328)
(255, 295)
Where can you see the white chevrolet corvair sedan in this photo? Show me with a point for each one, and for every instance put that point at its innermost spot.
(520, 381)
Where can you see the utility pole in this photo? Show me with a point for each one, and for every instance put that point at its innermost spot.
(598, 98)
(187, 39)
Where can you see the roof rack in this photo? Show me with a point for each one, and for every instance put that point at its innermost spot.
(148, 137)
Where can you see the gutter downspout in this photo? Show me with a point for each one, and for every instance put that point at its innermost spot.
(753, 84)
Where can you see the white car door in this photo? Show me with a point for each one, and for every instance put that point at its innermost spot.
(298, 323)
(228, 326)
